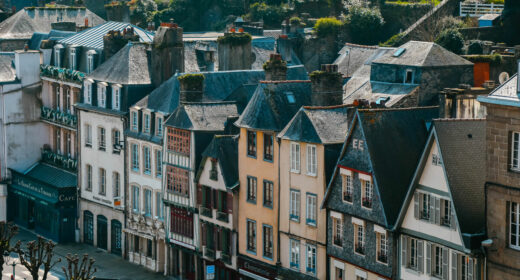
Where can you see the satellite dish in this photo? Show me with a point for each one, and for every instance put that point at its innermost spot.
(503, 77)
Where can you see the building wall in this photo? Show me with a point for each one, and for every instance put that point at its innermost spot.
(97, 209)
(262, 170)
(350, 271)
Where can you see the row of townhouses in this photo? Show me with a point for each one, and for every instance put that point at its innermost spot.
(116, 137)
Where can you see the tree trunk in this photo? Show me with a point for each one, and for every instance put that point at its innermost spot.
(34, 275)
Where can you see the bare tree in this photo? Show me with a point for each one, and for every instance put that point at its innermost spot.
(38, 253)
(79, 271)
(7, 232)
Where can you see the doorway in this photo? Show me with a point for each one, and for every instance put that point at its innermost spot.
(102, 232)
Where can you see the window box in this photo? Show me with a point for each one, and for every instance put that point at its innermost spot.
(206, 212)
(209, 253)
(222, 216)
(226, 258)
(294, 265)
(294, 218)
(367, 202)
(382, 258)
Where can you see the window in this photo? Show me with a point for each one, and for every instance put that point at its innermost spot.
(147, 123)
(148, 202)
(466, 267)
(311, 160)
(445, 213)
(514, 224)
(408, 79)
(159, 129)
(87, 94)
(72, 58)
(181, 222)
(134, 120)
(251, 236)
(359, 239)
(437, 261)
(290, 97)
(294, 211)
(158, 206)
(147, 160)
(295, 157)
(116, 97)
(251, 144)
(382, 247)
(88, 135)
(515, 142)
(57, 139)
(158, 163)
(366, 193)
(116, 182)
(67, 106)
(268, 147)
(102, 98)
(311, 259)
(68, 144)
(337, 227)
(339, 274)
(149, 248)
(102, 181)
(177, 180)
(425, 206)
(412, 259)
(311, 209)
(268, 241)
(135, 199)
(347, 188)
(88, 173)
(436, 160)
(268, 194)
(116, 141)
(178, 141)
(135, 157)
(294, 248)
(57, 98)
(251, 189)
(90, 63)
(101, 138)
(57, 57)
(213, 173)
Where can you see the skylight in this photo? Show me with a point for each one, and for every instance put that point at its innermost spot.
(399, 52)
(290, 97)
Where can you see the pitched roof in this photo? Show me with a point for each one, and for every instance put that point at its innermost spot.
(7, 71)
(505, 94)
(322, 125)
(390, 93)
(224, 148)
(207, 116)
(274, 104)
(423, 54)
(38, 37)
(93, 37)
(129, 66)
(25, 22)
(462, 144)
(51, 175)
(352, 57)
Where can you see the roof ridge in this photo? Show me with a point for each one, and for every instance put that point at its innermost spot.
(397, 109)
(457, 120)
(285, 82)
(327, 107)
(209, 103)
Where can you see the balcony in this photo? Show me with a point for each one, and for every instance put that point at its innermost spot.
(226, 258)
(59, 160)
(58, 117)
(209, 253)
(206, 212)
(62, 74)
(222, 216)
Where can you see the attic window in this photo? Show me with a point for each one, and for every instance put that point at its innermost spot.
(399, 52)
(409, 76)
(290, 97)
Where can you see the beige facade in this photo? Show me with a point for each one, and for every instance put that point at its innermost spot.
(342, 270)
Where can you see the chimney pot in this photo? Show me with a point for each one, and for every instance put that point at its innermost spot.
(191, 87)
(275, 69)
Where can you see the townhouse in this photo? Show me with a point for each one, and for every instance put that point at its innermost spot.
(502, 187)
(309, 149)
(442, 221)
(367, 189)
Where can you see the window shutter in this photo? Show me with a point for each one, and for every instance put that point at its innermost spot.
(416, 205)
(437, 211)
(214, 196)
(230, 202)
(218, 239)
(199, 194)
(428, 258)
(470, 269)
(420, 256)
(204, 233)
(454, 263)
(404, 244)
(432, 209)
(445, 262)
(309, 156)
(453, 222)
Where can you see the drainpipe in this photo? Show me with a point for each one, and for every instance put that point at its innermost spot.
(278, 216)
(125, 243)
(78, 175)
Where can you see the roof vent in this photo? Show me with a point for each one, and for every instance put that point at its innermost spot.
(399, 52)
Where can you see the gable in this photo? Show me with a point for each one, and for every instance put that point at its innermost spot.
(356, 152)
(205, 178)
(433, 173)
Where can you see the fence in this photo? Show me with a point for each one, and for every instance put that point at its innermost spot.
(475, 9)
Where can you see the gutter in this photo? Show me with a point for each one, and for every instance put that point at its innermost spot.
(278, 262)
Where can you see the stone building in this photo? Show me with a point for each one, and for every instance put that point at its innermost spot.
(502, 180)
(367, 190)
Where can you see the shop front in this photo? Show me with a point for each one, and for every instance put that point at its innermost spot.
(43, 199)
(252, 269)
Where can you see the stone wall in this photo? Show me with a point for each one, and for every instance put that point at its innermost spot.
(234, 57)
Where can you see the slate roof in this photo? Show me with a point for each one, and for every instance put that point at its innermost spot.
(38, 37)
(423, 54)
(218, 86)
(321, 125)
(7, 70)
(352, 57)
(205, 116)
(375, 91)
(93, 37)
(129, 66)
(270, 107)
(462, 144)
(25, 22)
(51, 175)
(224, 148)
(505, 94)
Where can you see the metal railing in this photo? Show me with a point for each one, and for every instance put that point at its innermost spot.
(475, 9)
(59, 160)
(206, 212)
(222, 216)
(58, 117)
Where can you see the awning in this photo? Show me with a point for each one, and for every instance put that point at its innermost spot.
(252, 275)
(21, 191)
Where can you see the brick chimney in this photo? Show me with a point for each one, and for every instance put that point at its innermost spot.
(191, 88)
(275, 68)
(327, 86)
(115, 40)
(167, 53)
(234, 51)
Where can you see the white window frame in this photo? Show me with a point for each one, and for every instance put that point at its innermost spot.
(409, 70)
(312, 161)
(147, 160)
(102, 138)
(135, 198)
(134, 120)
(116, 97)
(87, 93)
(159, 126)
(116, 184)
(311, 256)
(294, 254)
(514, 211)
(102, 95)
(90, 63)
(294, 205)
(311, 209)
(88, 135)
(72, 61)
(147, 202)
(158, 163)
(337, 228)
(57, 57)
(295, 157)
(88, 171)
(515, 150)
(102, 181)
(147, 123)
(158, 206)
(348, 184)
(135, 157)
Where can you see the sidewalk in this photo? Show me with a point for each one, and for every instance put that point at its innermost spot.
(108, 266)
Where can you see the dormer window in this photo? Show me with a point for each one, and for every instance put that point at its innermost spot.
(57, 55)
(72, 62)
(159, 129)
(409, 76)
(366, 190)
(116, 97)
(87, 92)
(102, 95)
(147, 123)
(134, 120)
(90, 61)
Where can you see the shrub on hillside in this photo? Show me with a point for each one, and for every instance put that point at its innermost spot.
(272, 15)
(327, 27)
(475, 47)
(365, 24)
(452, 40)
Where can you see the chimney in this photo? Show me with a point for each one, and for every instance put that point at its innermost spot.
(234, 51)
(115, 40)
(167, 53)
(191, 88)
(27, 64)
(327, 86)
(275, 68)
